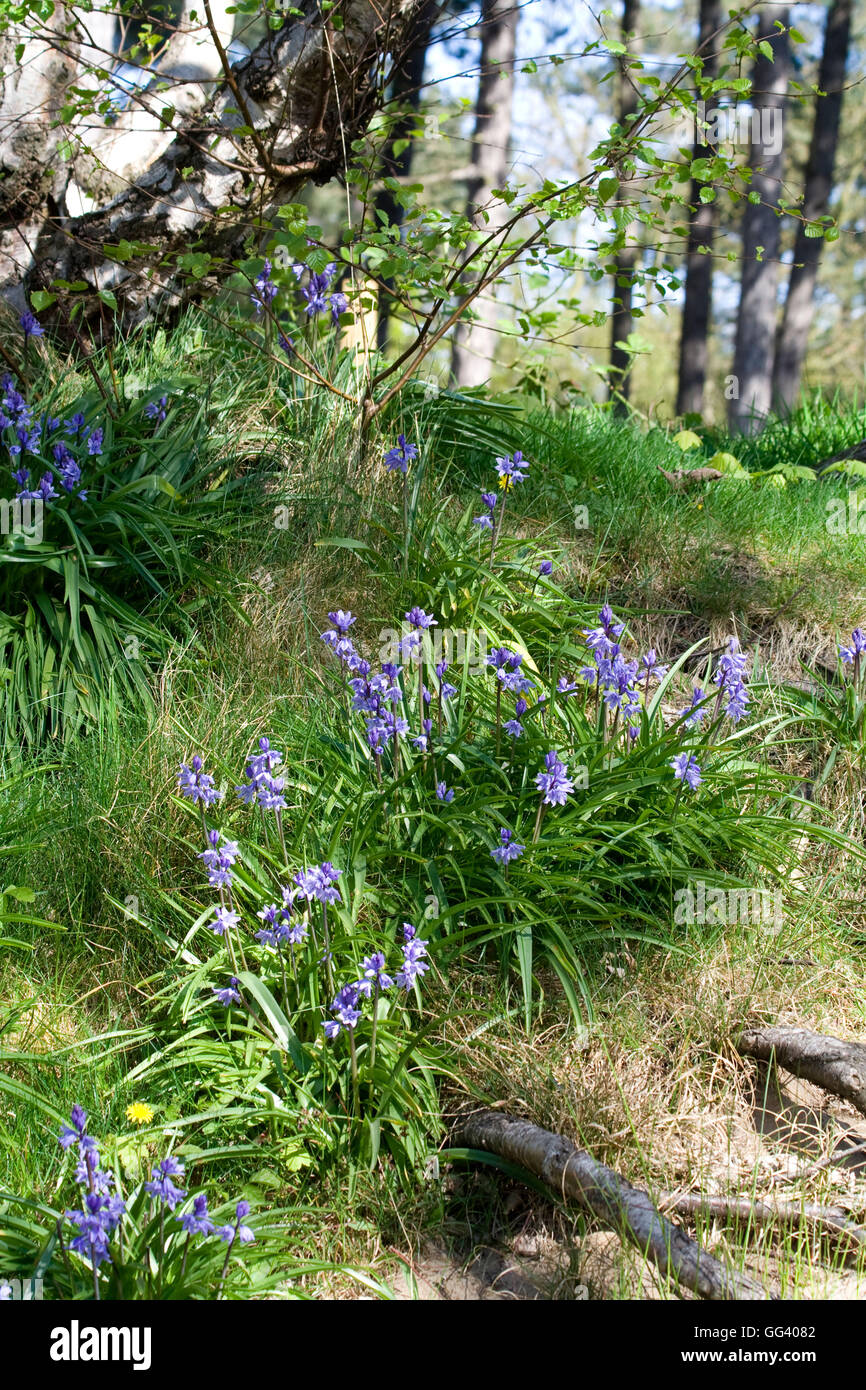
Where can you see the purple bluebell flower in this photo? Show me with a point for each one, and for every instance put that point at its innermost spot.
(319, 883)
(508, 849)
(31, 325)
(414, 963)
(695, 710)
(345, 1010)
(443, 792)
(224, 920)
(238, 1231)
(373, 976)
(197, 1222)
(161, 1187)
(649, 669)
(848, 655)
(554, 784)
(511, 469)
(265, 290)
(339, 305)
(420, 620)
(686, 770)
(228, 994)
(730, 680)
(513, 728)
(197, 785)
(398, 458)
(545, 569)
(157, 410)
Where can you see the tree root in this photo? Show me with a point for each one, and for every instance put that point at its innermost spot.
(573, 1173)
(837, 1066)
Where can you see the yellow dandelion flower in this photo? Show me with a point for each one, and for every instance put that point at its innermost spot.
(138, 1113)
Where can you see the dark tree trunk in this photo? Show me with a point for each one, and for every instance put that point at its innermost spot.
(800, 301)
(756, 318)
(474, 346)
(697, 306)
(622, 318)
(408, 81)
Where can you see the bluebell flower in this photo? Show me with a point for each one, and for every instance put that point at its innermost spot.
(161, 1187)
(197, 1222)
(228, 994)
(849, 655)
(414, 963)
(238, 1231)
(508, 848)
(686, 770)
(511, 470)
(31, 325)
(224, 920)
(319, 883)
(554, 784)
(345, 1010)
(443, 792)
(197, 785)
(374, 975)
(157, 410)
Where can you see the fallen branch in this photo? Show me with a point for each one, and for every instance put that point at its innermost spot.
(571, 1172)
(767, 1212)
(828, 1062)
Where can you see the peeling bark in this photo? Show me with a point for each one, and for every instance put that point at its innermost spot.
(309, 89)
(571, 1172)
(836, 1066)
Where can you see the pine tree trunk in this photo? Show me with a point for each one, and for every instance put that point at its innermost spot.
(756, 318)
(475, 345)
(622, 318)
(800, 301)
(697, 306)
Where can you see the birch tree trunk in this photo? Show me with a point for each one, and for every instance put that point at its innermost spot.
(287, 114)
(800, 301)
(475, 345)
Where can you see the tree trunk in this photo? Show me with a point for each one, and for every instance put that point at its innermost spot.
(309, 90)
(474, 346)
(756, 318)
(622, 318)
(408, 82)
(697, 305)
(800, 301)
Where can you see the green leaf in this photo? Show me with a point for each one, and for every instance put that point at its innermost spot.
(283, 1031)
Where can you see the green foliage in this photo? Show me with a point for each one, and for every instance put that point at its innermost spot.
(92, 587)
